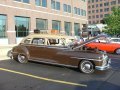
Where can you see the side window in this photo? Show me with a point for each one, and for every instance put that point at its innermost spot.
(27, 41)
(38, 41)
(53, 41)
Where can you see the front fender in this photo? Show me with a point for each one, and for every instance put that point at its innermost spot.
(21, 50)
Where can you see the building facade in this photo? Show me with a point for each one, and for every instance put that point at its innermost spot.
(98, 9)
(18, 18)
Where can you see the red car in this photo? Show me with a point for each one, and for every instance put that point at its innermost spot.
(104, 45)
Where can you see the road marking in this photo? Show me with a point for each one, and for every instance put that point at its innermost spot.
(42, 78)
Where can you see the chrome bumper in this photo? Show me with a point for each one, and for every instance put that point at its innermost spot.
(104, 67)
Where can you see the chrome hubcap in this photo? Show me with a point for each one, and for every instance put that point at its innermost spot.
(118, 51)
(87, 67)
(21, 58)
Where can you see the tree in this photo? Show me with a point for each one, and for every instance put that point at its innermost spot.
(113, 22)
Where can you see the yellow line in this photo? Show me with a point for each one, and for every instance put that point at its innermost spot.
(42, 78)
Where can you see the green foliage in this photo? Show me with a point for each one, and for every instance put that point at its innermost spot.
(113, 22)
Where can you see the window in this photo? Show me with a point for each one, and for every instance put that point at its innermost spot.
(97, 16)
(118, 1)
(55, 5)
(27, 41)
(106, 9)
(21, 26)
(76, 29)
(101, 5)
(106, 15)
(41, 24)
(96, 5)
(89, 12)
(2, 26)
(97, 11)
(89, 17)
(113, 3)
(92, 1)
(42, 3)
(101, 15)
(38, 41)
(67, 27)
(75, 10)
(101, 10)
(67, 8)
(56, 25)
(24, 1)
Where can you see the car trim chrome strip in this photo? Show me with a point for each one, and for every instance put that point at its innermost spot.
(54, 63)
(87, 59)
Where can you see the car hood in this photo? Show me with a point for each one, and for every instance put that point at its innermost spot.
(88, 41)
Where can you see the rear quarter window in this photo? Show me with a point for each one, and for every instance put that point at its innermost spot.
(27, 41)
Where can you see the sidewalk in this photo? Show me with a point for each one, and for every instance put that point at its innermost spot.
(3, 51)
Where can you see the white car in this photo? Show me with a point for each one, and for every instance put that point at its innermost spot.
(115, 40)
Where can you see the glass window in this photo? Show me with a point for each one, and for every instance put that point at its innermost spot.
(41, 24)
(56, 25)
(55, 5)
(42, 3)
(18, 0)
(101, 5)
(76, 29)
(38, 2)
(118, 1)
(78, 10)
(38, 41)
(65, 7)
(26, 1)
(67, 27)
(69, 8)
(75, 10)
(2, 26)
(22, 26)
(82, 12)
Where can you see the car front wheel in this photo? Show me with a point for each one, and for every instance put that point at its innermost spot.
(86, 67)
(117, 51)
(22, 58)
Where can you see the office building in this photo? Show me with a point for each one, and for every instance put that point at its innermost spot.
(18, 18)
(98, 9)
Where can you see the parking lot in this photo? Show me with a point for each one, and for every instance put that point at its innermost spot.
(38, 76)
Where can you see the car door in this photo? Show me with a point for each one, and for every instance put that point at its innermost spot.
(55, 52)
(36, 49)
(105, 46)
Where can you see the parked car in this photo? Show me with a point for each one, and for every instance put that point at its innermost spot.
(115, 40)
(105, 44)
(53, 49)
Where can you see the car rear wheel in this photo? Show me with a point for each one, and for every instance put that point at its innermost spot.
(117, 51)
(86, 67)
(22, 58)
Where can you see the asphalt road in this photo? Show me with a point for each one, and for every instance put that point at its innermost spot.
(37, 76)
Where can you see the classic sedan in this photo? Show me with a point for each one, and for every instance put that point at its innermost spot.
(105, 45)
(52, 49)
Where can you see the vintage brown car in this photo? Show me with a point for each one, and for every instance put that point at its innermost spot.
(55, 49)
